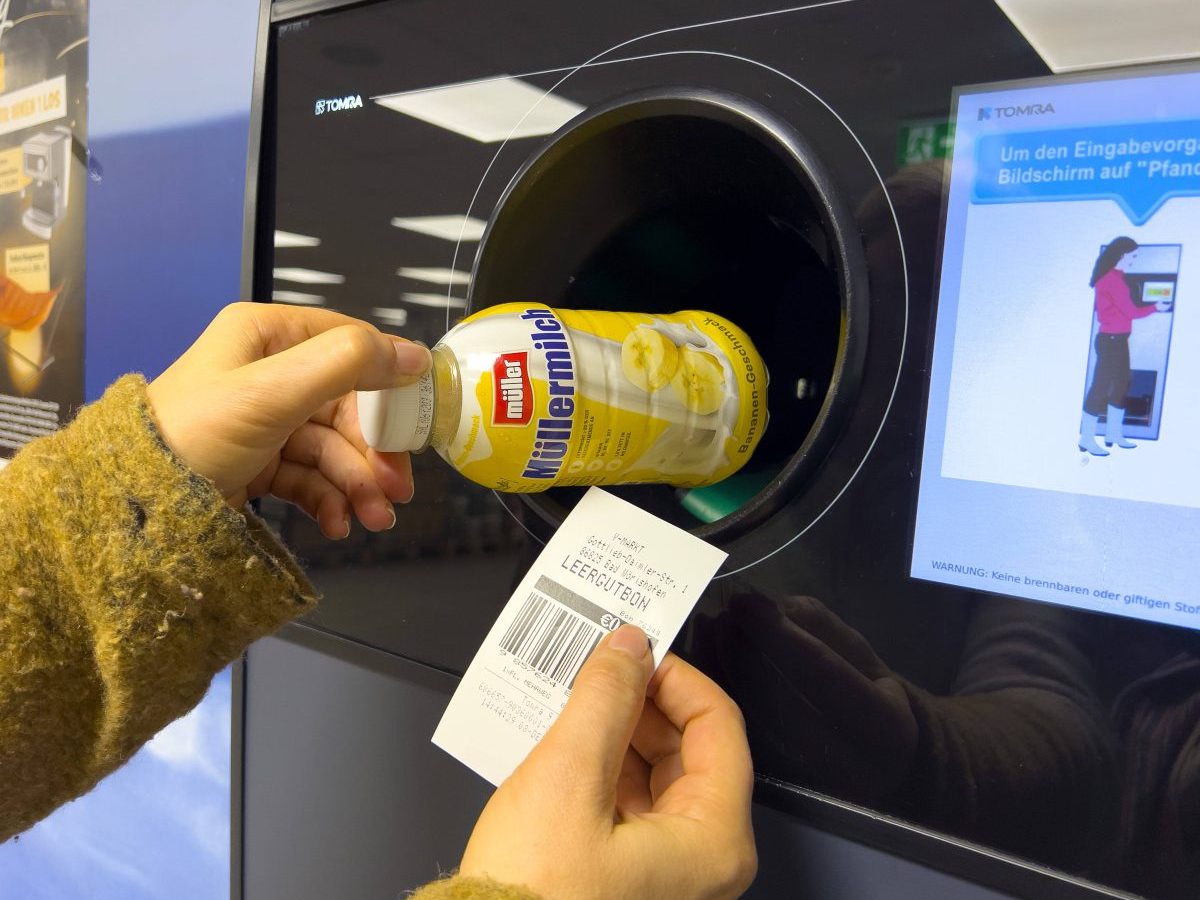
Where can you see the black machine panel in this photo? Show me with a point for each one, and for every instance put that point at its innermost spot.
(786, 167)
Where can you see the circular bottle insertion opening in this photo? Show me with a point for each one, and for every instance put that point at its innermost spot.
(674, 200)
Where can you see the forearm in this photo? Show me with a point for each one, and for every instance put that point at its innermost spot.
(1024, 770)
(1022, 754)
(128, 584)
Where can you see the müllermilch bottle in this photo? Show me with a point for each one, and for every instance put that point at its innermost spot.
(522, 397)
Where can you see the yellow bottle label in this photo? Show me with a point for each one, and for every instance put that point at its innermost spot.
(576, 397)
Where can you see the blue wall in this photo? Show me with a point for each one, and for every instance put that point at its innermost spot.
(164, 243)
(170, 86)
(169, 114)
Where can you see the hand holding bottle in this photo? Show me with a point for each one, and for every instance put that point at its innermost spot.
(262, 403)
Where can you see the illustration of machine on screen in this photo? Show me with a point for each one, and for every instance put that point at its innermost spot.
(1132, 319)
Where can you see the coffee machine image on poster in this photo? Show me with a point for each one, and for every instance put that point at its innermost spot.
(1132, 320)
(46, 161)
(43, 174)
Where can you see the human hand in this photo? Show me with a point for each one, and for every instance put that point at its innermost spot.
(635, 792)
(816, 695)
(262, 403)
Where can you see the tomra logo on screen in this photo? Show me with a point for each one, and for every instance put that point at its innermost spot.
(512, 403)
(1012, 112)
(337, 104)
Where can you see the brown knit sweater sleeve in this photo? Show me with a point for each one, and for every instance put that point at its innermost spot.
(460, 888)
(126, 583)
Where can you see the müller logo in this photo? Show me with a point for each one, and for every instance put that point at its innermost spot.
(513, 400)
(1012, 112)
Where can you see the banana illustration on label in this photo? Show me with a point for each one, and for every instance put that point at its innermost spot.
(649, 360)
(523, 397)
(699, 382)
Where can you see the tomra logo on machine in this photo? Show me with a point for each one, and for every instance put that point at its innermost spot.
(1012, 112)
(337, 104)
(513, 400)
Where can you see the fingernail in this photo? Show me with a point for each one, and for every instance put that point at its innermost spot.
(632, 640)
(411, 359)
(393, 525)
(345, 528)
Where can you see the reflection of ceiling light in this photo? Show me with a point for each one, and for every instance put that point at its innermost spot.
(298, 298)
(441, 301)
(391, 315)
(434, 276)
(449, 228)
(308, 276)
(1087, 34)
(488, 111)
(291, 239)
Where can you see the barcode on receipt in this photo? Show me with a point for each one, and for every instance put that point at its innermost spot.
(550, 638)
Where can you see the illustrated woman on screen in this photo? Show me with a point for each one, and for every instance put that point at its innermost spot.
(1115, 311)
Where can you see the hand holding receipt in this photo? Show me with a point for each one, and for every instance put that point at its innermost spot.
(643, 781)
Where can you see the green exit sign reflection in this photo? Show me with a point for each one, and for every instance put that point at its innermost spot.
(924, 140)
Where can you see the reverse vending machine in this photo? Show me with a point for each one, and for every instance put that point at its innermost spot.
(953, 636)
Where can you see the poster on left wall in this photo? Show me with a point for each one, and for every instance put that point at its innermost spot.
(43, 189)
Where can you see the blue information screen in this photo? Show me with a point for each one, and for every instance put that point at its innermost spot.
(1062, 434)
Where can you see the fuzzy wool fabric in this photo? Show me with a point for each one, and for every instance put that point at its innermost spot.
(126, 583)
(462, 888)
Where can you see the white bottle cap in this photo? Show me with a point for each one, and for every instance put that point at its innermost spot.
(399, 418)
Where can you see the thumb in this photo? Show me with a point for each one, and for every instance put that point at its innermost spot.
(593, 732)
(332, 364)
